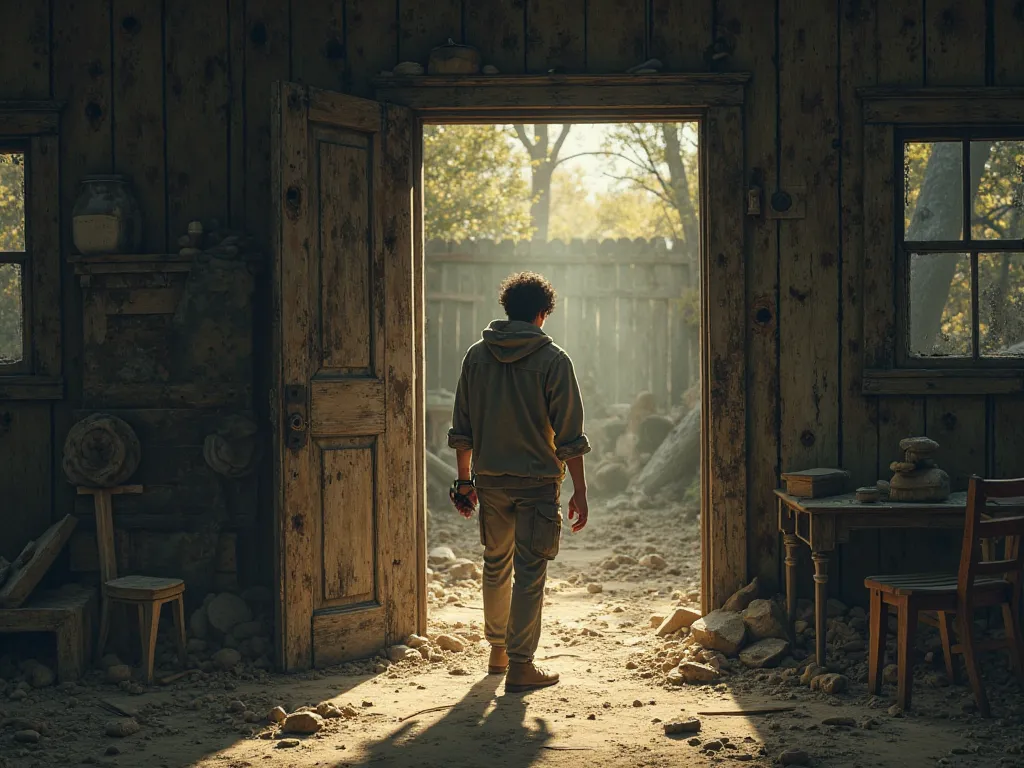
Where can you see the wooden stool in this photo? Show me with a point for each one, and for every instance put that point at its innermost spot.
(147, 593)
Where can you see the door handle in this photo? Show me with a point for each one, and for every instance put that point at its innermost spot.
(296, 421)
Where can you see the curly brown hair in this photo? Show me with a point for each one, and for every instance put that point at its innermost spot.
(525, 295)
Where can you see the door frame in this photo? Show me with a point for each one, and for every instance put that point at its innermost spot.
(716, 101)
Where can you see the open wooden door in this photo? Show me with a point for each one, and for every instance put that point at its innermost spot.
(343, 395)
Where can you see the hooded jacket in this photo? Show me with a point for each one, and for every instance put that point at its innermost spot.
(518, 407)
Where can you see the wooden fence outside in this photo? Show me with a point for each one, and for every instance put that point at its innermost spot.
(627, 310)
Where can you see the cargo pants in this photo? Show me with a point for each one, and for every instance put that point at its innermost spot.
(520, 529)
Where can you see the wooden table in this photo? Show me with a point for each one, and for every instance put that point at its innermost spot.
(823, 523)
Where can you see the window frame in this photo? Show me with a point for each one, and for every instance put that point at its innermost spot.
(888, 115)
(32, 127)
(967, 245)
(23, 259)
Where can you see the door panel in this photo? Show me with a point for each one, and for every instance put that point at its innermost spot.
(344, 455)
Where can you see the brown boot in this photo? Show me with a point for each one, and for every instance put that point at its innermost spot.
(525, 676)
(498, 663)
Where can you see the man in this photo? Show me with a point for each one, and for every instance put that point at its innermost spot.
(516, 426)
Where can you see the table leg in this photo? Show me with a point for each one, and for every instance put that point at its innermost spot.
(792, 545)
(820, 603)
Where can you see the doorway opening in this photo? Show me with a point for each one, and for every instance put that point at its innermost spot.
(610, 214)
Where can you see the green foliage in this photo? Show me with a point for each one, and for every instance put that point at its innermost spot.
(12, 238)
(475, 183)
(623, 211)
(661, 164)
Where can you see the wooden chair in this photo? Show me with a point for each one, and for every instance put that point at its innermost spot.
(980, 583)
(147, 594)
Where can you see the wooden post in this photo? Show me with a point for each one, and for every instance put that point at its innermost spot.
(104, 508)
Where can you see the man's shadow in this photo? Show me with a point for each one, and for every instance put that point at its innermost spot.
(491, 735)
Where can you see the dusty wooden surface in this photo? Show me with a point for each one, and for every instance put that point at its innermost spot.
(754, 51)
(725, 337)
(681, 33)
(344, 298)
(138, 110)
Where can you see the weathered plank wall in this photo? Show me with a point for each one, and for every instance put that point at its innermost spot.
(177, 94)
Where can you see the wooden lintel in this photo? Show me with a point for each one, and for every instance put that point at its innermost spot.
(29, 118)
(546, 97)
(943, 106)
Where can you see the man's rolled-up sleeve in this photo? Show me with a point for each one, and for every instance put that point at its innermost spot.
(565, 409)
(460, 436)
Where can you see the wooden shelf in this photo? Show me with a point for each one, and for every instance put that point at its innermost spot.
(114, 263)
(31, 387)
(938, 381)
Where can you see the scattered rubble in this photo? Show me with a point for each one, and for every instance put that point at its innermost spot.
(302, 722)
(449, 643)
(122, 727)
(682, 726)
(794, 757)
(765, 619)
(764, 653)
(681, 618)
(720, 630)
(742, 598)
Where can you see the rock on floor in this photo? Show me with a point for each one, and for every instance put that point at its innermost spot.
(831, 683)
(743, 597)
(693, 673)
(721, 631)
(682, 726)
(680, 618)
(226, 611)
(303, 722)
(125, 726)
(450, 643)
(765, 618)
(227, 658)
(764, 653)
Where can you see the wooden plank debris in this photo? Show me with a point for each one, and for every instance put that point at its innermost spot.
(30, 567)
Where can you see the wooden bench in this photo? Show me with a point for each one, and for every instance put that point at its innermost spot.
(70, 613)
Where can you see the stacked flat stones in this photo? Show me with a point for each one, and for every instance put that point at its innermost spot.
(917, 478)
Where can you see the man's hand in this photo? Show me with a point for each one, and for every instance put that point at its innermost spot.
(467, 512)
(578, 510)
(469, 501)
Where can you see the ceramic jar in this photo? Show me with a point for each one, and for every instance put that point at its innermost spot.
(106, 217)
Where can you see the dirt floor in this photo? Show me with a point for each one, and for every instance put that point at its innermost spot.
(609, 710)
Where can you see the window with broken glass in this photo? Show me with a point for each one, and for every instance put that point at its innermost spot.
(961, 254)
(13, 261)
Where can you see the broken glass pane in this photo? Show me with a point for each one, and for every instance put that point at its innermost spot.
(933, 190)
(1001, 300)
(11, 312)
(998, 208)
(940, 305)
(12, 201)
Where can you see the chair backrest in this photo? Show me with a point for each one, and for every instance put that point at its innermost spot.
(976, 528)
